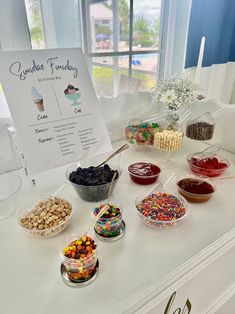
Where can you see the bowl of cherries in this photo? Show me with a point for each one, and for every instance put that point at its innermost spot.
(209, 166)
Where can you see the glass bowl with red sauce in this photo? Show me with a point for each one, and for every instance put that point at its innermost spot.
(195, 189)
(144, 172)
(210, 166)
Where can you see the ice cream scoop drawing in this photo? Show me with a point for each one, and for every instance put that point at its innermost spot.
(72, 93)
(37, 99)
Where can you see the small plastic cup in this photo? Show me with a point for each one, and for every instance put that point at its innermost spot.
(10, 184)
(83, 268)
(202, 188)
(144, 172)
(109, 227)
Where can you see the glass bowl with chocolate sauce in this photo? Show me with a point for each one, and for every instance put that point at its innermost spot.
(196, 189)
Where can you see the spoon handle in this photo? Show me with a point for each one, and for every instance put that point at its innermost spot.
(119, 150)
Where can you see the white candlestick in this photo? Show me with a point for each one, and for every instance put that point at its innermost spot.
(200, 59)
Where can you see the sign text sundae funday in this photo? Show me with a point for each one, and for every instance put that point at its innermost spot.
(17, 69)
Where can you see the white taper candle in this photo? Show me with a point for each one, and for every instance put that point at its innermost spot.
(200, 59)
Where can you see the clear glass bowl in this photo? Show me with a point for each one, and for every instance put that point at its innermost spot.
(168, 140)
(48, 231)
(144, 179)
(196, 197)
(140, 133)
(10, 185)
(163, 224)
(201, 128)
(94, 193)
(82, 269)
(109, 227)
(205, 171)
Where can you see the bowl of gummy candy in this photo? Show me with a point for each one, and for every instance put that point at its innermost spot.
(93, 183)
(210, 166)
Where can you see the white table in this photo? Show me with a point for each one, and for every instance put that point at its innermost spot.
(139, 272)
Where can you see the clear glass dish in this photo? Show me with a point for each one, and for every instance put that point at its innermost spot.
(201, 128)
(29, 222)
(199, 183)
(162, 224)
(95, 193)
(10, 185)
(206, 171)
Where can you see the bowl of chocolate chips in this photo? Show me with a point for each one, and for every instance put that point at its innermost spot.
(94, 183)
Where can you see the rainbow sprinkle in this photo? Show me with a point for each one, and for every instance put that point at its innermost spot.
(161, 207)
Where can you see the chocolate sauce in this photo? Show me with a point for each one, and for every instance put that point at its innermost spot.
(195, 190)
(196, 186)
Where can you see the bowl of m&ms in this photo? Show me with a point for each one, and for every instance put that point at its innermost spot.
(144, 172)
(195, 189)
(110, 224)
(210, 166)
(161, 209)
(79, 258)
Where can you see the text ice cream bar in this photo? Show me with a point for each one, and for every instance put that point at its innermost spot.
(37, 99)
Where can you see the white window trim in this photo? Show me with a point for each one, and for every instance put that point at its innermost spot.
(116, 54)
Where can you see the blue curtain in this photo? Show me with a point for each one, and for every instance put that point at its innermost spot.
(214, 19)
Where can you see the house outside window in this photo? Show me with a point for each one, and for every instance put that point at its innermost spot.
(121, 40)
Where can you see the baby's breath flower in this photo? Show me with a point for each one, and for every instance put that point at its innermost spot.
(176, 93)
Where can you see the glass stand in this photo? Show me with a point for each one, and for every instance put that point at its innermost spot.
(166, 161)
(143, 148)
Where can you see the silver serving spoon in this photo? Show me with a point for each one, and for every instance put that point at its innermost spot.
(119, 150)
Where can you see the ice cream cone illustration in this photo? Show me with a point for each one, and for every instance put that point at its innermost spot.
(37, 99)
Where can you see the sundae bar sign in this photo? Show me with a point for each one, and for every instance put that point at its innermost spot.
(54, 107)
(23, 73)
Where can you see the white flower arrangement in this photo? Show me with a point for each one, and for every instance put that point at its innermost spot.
(176, 93)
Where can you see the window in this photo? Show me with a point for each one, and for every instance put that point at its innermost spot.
(120, 37)
(121, 40)
(34, 16)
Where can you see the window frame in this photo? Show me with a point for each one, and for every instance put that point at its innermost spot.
(130, 52)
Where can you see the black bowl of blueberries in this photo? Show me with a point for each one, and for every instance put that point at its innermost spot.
(93, 183)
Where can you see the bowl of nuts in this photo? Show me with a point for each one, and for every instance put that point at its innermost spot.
(47, 218)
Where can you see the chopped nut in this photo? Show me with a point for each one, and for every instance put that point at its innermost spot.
(47, 214)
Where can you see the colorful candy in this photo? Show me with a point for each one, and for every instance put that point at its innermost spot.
(161, 207)
(141, 134)
(80, 259)
(109, 225)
